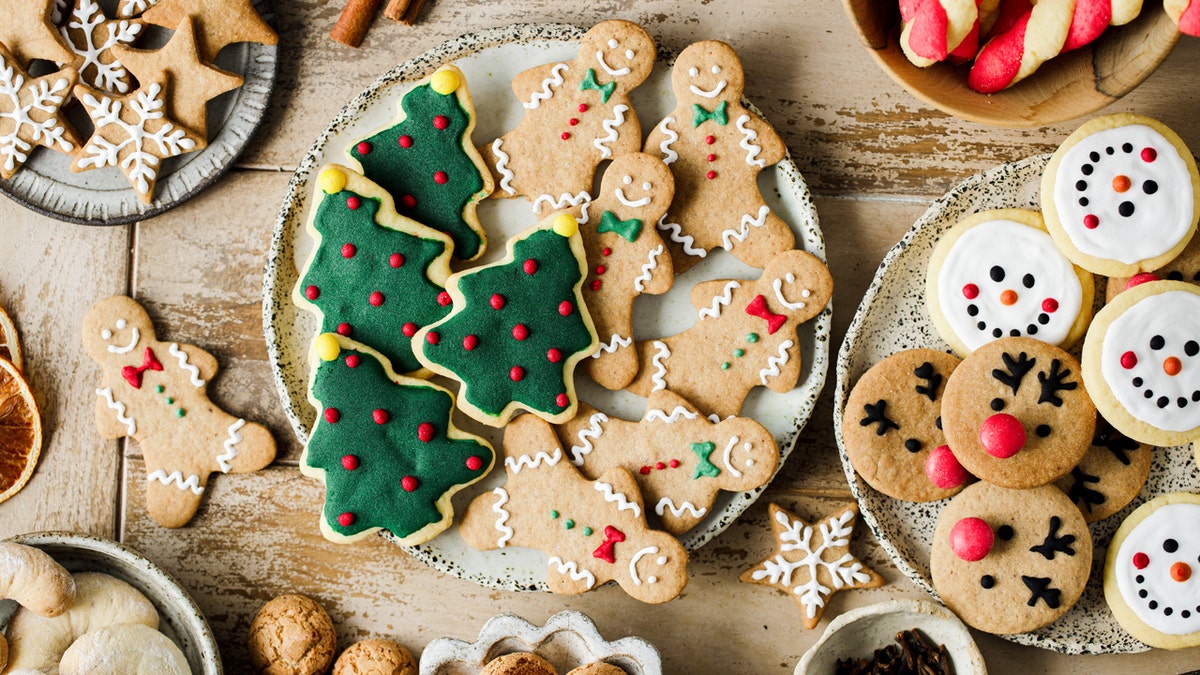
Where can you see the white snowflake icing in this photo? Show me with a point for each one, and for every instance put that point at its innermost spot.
(797, 536)
(45, 96)
(140, 165)
(132, 8)
(88, 18)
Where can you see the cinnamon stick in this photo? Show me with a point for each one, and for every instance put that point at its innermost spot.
(404, 11)
(352, 24)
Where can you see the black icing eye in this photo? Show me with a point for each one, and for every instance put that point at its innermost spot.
(938, 421)
(997, 404)
(1027, 280)
(987, 581)
(1043, 430)
(1170, 546)
(1149, 187)
(912, 445)
(1157, 342)
(1005, 532)
(1191, 348)
(1127, 148)
(997, 273)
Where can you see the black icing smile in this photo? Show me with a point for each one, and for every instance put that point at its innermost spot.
(1157, 345)
(997, 275)
(1085, 186)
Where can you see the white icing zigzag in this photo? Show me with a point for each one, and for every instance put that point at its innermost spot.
(675, 232)
(564, 200)
(679, 411)
(774, 362)
(548, 84)
(623, 503)
(612, 345)
(231, 453)
(669, 155)
(506, 174)
(532, 461)
(506, 532)
(571, 569)
(586, 437)
(192, 370)
(660, 371)
(639, 284)
(130, 424)
(610, 126)
(720, 301)
(740, 235)
(665, 503)
(748, 142)
(176, 478)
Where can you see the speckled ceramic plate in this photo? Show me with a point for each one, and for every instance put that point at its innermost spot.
(490, 59)
(891, 318)
(104, 197)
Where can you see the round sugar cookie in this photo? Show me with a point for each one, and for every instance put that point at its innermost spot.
(1141, 362)
(999, 274)
(1009, 561)
(1016, 414)
(1109, 476)
(892, 427)
(1121, 195)
(1152, 572)
(1185, 267)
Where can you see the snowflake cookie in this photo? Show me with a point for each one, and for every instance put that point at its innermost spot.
(30, 113)
(92, 38)
(812, 562)
(592, 531)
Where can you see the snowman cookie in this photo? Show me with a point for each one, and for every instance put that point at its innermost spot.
(716, 147)
(998, 274)
(1109, 476)
(1121, 195)
(1150, 573)
(577, 114)
(1141, 362)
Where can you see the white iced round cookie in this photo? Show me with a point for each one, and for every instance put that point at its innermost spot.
(1141, 362)
(1152, 572)
(998, 274)
(1120, 195)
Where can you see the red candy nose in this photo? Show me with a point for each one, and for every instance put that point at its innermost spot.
(971, 539)
(943, 469)
(1002, 435)
(1139, 279)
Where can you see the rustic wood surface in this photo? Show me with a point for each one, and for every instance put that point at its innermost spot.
(874, 156)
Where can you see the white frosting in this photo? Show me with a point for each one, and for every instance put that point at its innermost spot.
(573, 570)
(1159, 220)
(639, 284)
(670, 136)
(653, 415)
(610, 127)
(582, 199)
(1020, 251)
(675, 233)
(1174, 316)
(749, 142)
(774, 362)
(502, 515)
(740, 234)
(612, 345)
(631, 203)
(727, 457)
(176, 478)
(789, 278)
(119, 407)
(615, 72)
(660, 370)
(506, 174)
(515, 464)
(23, 98)
(134, 336)
(666, 504)
(548, 85)
(622, 502)
(225, 461)
(586, 436)
(1181, 523)
(633, 574)
(798, 537)
(719, 301)
(710, 93)
(192, 370)
(99, 37)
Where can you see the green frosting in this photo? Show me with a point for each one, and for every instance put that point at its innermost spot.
(589, 82)
(410, 171)
(344, 285)
(705, 467)
(700, 114)
(628, 229)
(390, 456)
(533, 300)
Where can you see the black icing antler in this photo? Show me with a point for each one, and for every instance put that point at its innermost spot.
(877, 414)
(1016, 371)
(1039, 589)
(1054, 382)
(1053, 543)
(932, 378)
(1114, 441)
(1083, 495)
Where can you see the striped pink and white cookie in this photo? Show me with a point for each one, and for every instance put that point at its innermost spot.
(1186, 13)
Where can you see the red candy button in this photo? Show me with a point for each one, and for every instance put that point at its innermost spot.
(1002, 435)
(971, 539)
(1139, 279)
(1140, 560)
(943, 468)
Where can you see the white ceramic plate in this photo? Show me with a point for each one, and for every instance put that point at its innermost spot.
(891, 318)
(490, 59)
(104, 197)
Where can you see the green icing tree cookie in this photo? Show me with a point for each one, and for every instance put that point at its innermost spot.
(373, 275)
(385, 447)
(427, 162)
(517, 329)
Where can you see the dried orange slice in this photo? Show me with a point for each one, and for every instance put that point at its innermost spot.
(10, 347)
(20, 431)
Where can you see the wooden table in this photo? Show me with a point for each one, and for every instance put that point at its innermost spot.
(873, 155)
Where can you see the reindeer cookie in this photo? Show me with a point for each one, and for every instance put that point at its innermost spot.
(680, 457)
(577, 114)
(592, 531)
(154, 392)
(625, 258)
(745, 336)
(716, 147)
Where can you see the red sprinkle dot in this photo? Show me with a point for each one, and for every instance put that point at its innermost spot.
(1140, 560)
(396, 260)
(332, 415)
(353, 203)
(364, 148)
(409, 329)
(405, 141)
(573, 121)
(496, 301)
(352, 361)
(530, 266)
(345, 329)
(554, 355)
(520, 331)
(1128, 360)
(440, 122)
(711, 157)
(425, 431)
(595, 285)
(474, 463)
(444, 299)
(582, 107)
(606, 252)
(674, 464)
(710, 140)
(346, 519)
(710, 175)
(349, 462)
(1091, 222)
(440, 177)
(565, 308)
(516, 373)
(348, 250)
(1149, 154)
(970, 291)
(601, 269)
(1050, 305)
(470, 342)
(432, 337)
(408, 201)
(376, 298)
(380, 416)
(660, 466)
(562, 400)
(566, 135)
(645, 471)
(312, 292)
(410, 483)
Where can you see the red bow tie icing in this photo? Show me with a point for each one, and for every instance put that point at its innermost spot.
(612, 537)
(758, 307)
(133, 375)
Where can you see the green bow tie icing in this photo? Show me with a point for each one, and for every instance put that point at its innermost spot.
(718, 115)
(589, 82)
(628, 229)
(706, 468)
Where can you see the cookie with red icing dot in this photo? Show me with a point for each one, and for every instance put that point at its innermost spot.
(1009, 561)
(1015, 413)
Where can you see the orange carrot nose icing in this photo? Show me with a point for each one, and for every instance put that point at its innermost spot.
(1172, 365)
(1008, 297)
(1181, 571)
(1121, 183)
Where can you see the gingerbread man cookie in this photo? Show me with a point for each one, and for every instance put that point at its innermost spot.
(745, 336)
(681, 458)
(593, 531)
(716, 147)
(625, 258)
(155, 393)
(577, 115)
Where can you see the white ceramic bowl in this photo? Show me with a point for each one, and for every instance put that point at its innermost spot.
(859, 632)
(179, 617)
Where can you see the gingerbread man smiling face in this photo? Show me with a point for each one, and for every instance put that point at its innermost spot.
(707, 73)
(617, 53)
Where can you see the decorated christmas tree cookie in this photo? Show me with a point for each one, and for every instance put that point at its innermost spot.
(385, 447)
(374, 275)
(517, 329)
(427, 162)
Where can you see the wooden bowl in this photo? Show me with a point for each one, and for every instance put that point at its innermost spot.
(1068, 86)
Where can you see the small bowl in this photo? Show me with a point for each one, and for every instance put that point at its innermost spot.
(859, 632)
(179, 617)
(1069, 85)
(568, 640)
